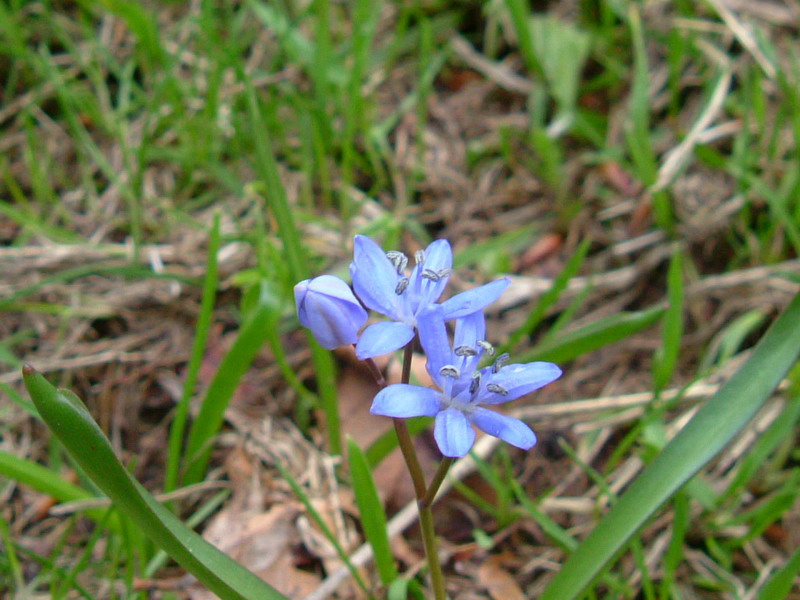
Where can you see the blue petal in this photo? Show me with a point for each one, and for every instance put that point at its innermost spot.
(517, 380)
(374, 277)
(402, 401)
(453, 433)
(474, 300)
(326, 306)
(382, 338)
(508, 429)
(433, 337)
(438, 257)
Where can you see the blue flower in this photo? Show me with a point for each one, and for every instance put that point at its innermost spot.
(463, 388)
(380, 281)
(327, 306)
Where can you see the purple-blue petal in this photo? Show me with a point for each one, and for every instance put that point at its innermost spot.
(474, 300)
(508, 429)
(469, 330)
(438, 258)
(453, 433)
(402, 400)
(326, 306)
(382, 338)
(374, 277)
(517, 380)
(434, 340)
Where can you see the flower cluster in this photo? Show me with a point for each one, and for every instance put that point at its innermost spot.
(328, 307)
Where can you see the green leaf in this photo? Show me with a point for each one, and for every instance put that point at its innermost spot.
(709, 431)
(592, 336)
(252, 336)
(202, 328)
(86, 443)
(672, 327)
(373, 517)
(782, 581)
(550, 297)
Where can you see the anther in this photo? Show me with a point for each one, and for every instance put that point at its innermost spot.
(401, 286)
(487, 347)
(436, 275)
(500, 362)
(497, 389)
(419, 256)
(450, 371)
(465, 351)
(398, 259)
(475, 383)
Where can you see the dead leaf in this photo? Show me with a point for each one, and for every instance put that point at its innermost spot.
(498, 582)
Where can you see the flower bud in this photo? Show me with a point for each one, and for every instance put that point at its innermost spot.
(327, 306)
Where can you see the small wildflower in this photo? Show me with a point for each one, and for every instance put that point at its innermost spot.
(380, 282)
(463, 388)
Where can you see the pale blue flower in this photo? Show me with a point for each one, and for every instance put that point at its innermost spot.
(463, 388)
(327, 306)
(380, 281)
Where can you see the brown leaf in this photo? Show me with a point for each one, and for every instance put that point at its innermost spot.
(497, 581)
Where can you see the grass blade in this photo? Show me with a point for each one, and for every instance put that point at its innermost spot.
(672, 327)
(251, 337)
(782, 581)
(198, 349)
(70, 421)
(373, 517)
(592, 336)
(714, 425)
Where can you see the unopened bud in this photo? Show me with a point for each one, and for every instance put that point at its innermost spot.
(327, 306)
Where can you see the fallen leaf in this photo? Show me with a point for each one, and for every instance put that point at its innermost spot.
(498, 582)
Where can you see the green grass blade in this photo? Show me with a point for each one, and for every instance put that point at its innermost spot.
(198, 349)
(14, 565)
(550, 297)
(323, 526)
(592, 336)
(782, 581)
(294, 255)
(373, 517)
(711, 429)
(251, 337)
(72, 424)
(44, 480)
(672, 327)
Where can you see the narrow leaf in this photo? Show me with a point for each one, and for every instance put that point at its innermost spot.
(373, 517)
(711, 429)
(72, 424)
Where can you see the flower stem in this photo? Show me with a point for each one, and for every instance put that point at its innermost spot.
(424, 495)
(436, 483)
(417, 477)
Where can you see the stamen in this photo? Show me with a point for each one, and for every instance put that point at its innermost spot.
(475, 383)
(398, 259)
(465, 351)
(500, 362)
(401, 286)
(419, 256)
(450, 371)
(497, 389)
(487, 347)
(436, 275)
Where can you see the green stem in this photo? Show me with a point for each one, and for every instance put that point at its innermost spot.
(424, 495)
(425, 513)
(441, 472)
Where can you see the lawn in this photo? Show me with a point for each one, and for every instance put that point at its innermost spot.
(170, 170)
